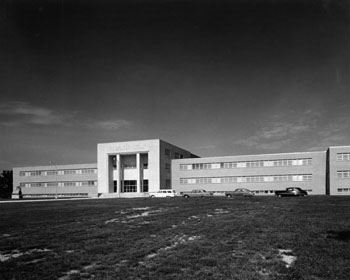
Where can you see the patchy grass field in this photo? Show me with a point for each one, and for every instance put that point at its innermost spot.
(216, 238)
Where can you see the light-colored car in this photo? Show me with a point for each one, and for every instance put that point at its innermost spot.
(239, 192)
(163, 193)
(196, 193)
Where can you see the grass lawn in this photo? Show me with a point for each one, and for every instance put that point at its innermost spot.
(214, 238)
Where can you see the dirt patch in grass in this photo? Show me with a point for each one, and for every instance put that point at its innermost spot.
(17, 253)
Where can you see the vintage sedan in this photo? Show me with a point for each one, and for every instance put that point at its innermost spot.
(239, 192)
(291, 192)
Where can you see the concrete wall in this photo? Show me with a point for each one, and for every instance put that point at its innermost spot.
(317, 169)
(166, 161)
(158, 153)
(104, 150)
(45, 179)
(339, 184)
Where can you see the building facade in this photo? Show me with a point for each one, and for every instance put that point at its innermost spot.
(339, 170)
(263, 174)
(134, 168)
(75, 180)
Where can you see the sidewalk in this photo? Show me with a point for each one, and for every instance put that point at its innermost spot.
(40, 200)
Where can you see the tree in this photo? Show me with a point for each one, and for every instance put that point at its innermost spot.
(6, 184)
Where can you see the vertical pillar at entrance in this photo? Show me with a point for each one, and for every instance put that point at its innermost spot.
(138, 169)
(119, 174)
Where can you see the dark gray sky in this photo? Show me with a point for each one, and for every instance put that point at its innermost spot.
(214, 77)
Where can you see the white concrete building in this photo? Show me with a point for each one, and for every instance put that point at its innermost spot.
(71, 180)
(264, 174)
(134, 168)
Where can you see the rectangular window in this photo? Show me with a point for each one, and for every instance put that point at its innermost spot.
(343, 156)
(167, 152)
(183, 166)
(241, 164)
(145, 185)
(37, 185)
(215, 180)
(297, 162)
(344, 174)
(114, 161)
(89, 171)
(68, 172)
(268, 178)
(167, 166)
(89, 183)
(129, 186)
(167, 184)
(35, 173)
(69, 184)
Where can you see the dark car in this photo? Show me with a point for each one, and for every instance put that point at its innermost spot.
(291, 192)
(239, 192)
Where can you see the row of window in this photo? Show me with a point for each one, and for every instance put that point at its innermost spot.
(59, 172)
(247, 179)
(247, 164)
(343, 189)
(59, 184)
(56, 195)
(343, 156)
(343, 174)
(131, 186)
(177, 155)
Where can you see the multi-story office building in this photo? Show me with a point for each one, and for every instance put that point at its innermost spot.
(76, 180)
(129, 169)
(263, 174)
(338, 172)
(134, 168)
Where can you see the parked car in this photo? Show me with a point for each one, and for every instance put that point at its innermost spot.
(163, 193)
(239, 192)
(196, 193)
(291, 192)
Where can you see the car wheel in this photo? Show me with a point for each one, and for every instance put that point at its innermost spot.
(186, 196)
(229, 195)
(152, 196)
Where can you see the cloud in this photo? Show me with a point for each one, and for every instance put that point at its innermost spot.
(22, 113)
(14, 114)
(281, 129)
(332, 134)
(111, 124)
